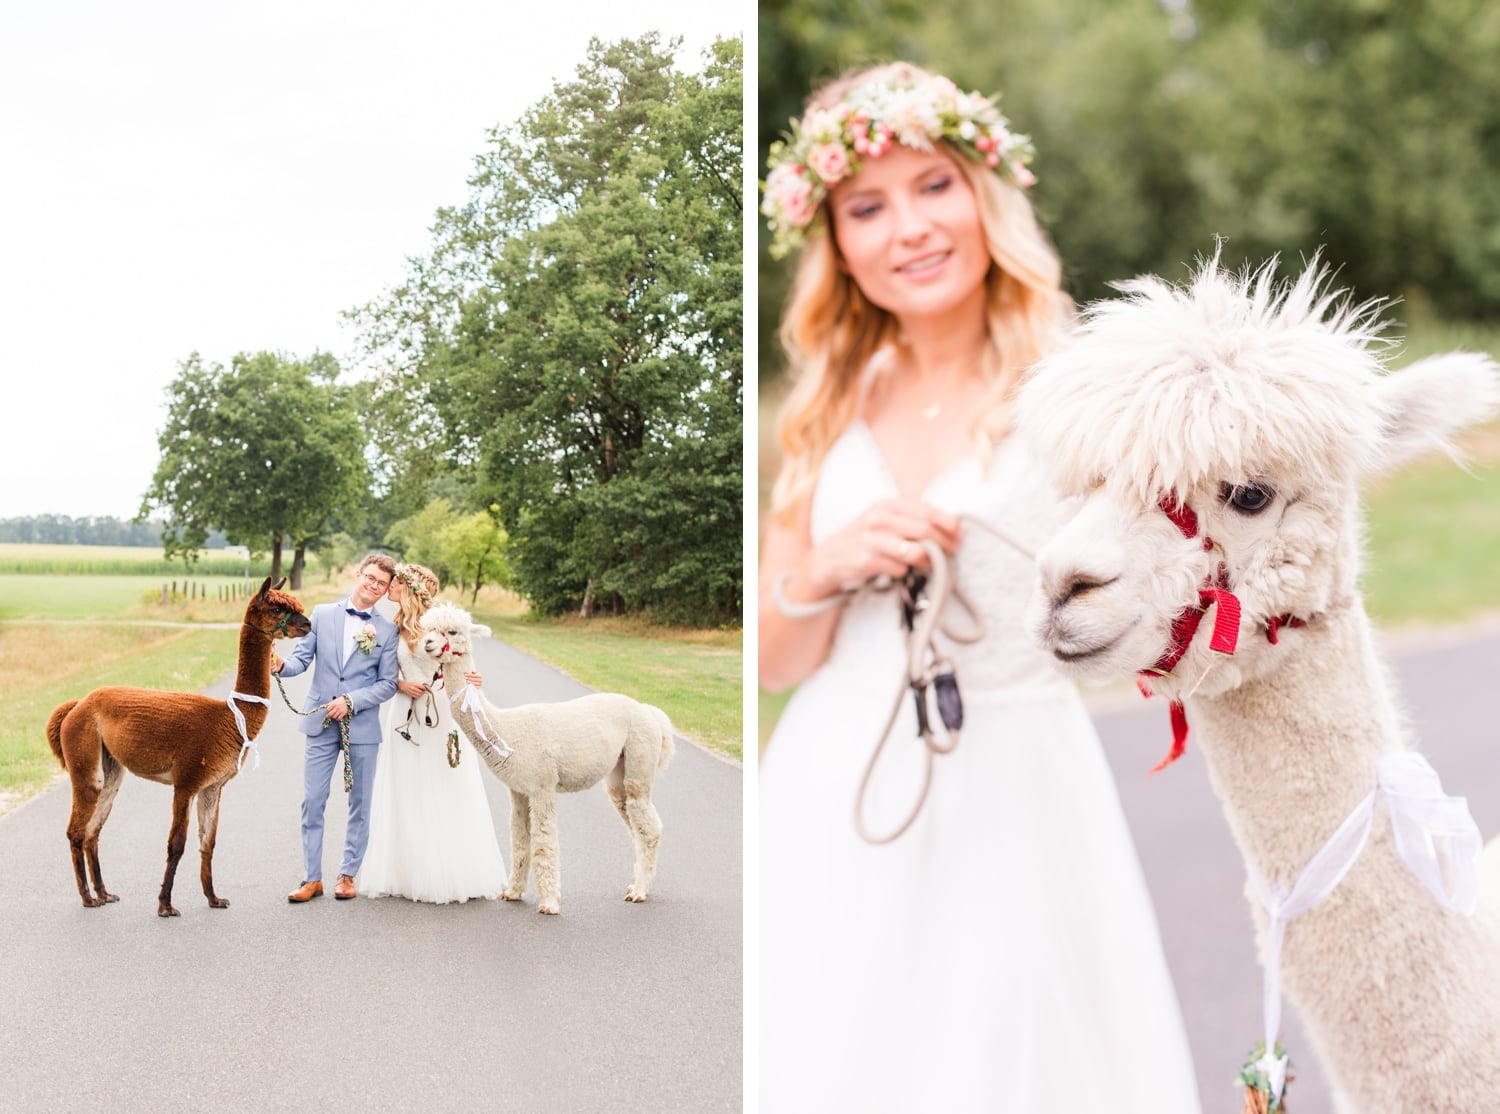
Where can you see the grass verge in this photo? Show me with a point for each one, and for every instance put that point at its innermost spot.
(694, 676)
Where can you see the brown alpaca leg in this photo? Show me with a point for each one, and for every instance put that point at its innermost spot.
(85, 796)
(114, 775)
(520, 846)
(208, 836)
(176, 842)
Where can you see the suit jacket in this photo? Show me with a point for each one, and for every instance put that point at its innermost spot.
(369, 680)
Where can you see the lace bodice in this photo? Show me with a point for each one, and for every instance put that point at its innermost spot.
(1010, 492)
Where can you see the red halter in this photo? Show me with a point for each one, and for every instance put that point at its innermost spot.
(1215, 591)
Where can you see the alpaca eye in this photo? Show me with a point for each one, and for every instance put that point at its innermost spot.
(1247, 498)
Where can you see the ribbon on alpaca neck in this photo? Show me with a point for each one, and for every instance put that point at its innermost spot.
(246, 743)
(473, 704)
(1431, 829)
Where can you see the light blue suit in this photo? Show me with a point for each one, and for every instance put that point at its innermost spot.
(369, 680)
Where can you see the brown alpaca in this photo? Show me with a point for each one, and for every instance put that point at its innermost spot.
(182, 739)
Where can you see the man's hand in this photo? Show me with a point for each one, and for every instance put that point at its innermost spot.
(338, 708)
(276, 662)
(474, 678)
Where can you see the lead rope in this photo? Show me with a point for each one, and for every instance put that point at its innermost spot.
(925, 599)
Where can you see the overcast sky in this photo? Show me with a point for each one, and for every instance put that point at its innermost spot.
(184, 177)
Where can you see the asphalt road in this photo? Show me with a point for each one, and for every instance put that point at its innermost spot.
(1447, 683)
(374, 1004)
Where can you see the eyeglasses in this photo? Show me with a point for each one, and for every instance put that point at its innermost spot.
(376, 579)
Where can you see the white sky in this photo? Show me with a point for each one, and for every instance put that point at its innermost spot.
(179, 177)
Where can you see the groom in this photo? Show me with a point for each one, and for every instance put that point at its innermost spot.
(355, 650)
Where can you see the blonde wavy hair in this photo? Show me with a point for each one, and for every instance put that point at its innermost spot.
(831, 332)
(418, 579)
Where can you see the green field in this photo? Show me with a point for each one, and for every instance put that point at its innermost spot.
(103, 560)
(62, 634)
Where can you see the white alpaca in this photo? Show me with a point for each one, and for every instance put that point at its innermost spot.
(1258, 408)
(540, 750)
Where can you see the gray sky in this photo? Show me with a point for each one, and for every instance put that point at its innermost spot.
(184, 177)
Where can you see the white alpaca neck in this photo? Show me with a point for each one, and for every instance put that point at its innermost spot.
(1295, 755)
(480, 721)
(1283, 795)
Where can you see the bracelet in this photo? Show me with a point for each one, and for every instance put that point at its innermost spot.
(795, 610)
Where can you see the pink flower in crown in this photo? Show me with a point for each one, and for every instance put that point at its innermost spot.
(830, 162)
(790, 195)
(1024, 177)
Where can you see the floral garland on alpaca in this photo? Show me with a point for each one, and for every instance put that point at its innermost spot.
(900, 105)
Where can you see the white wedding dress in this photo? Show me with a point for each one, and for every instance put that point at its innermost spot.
(1003, 954)
(431, 834)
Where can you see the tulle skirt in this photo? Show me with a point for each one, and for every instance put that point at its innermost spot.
(1002, 955)
(432, 837)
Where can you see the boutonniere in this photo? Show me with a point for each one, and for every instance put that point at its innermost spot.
(364, 641)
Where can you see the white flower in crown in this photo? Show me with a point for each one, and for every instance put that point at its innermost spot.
(364, 639)
(897, 105)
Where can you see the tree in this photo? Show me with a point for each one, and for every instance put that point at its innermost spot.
(266, 450)
(475, 547)
(578, 324)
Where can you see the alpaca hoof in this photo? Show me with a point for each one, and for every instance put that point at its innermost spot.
(92, 902)
(218, 903)
(632, 894)
(550, 908)
(167, 911)
(511, 895)
(108, 899)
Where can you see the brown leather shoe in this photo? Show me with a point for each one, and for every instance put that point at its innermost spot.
(306, 892)
(344, 889)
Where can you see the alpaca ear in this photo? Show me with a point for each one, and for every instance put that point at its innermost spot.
(479, 630)
(280, 584)
(265, 587)
(1425, 404)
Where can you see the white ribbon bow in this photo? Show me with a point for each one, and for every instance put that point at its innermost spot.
(474, 706)
(1430, 829)
(246, 743)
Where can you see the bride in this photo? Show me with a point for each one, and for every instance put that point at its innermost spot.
(1001, 953)
(431, 834)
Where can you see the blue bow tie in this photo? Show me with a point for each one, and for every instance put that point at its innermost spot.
(365, 615)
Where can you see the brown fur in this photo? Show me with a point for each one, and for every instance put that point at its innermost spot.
(182, 739)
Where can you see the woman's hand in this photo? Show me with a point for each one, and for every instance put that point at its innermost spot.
(884, 541)
(475, 678)
(411, 688)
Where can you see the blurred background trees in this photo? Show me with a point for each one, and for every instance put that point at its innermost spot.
(1369, 128)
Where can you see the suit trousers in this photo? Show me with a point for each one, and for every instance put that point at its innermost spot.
(324, 762)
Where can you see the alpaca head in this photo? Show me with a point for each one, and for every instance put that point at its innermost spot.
(276, 613)
(1214, 436)
(450, 633)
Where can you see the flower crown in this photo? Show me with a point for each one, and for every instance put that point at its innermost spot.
(418, 587)
(900, 104)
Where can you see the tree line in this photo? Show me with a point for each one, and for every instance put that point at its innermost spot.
(1367, 128)
(61, 529)
(556, 402)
